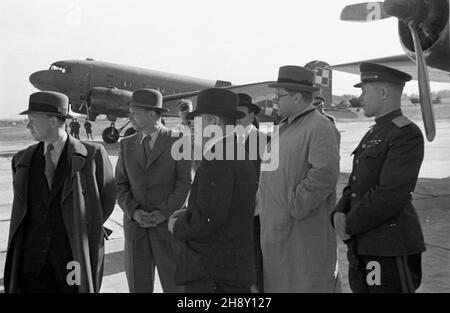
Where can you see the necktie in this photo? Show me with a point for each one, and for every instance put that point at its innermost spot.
(147, 147)
(49, 165)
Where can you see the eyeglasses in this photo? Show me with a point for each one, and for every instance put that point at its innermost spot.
(278, 96)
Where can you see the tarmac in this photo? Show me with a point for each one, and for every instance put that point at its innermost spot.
(431, 199)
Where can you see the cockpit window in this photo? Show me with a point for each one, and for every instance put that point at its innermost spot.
(65, 69)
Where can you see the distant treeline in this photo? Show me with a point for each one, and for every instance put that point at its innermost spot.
(442, 94)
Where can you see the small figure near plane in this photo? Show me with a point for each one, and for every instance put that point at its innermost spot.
(319, 105)
(74, 128)
(88, 129)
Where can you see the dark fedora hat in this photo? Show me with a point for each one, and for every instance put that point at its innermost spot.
(150, 99)
(246, 101)
(372, 72)
(217, 101)
(50, 103)
(296, 78)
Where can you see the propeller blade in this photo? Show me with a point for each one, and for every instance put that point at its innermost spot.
(424, 86)
(364, 12)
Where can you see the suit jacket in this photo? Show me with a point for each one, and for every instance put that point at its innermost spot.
(377, 199)
(161, 183)
(217, 230)
(89, 191)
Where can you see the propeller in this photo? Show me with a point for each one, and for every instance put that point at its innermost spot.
(424, 85)
(364, 12)
(409, 12)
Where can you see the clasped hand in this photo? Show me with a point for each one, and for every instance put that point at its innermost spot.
(148, 219)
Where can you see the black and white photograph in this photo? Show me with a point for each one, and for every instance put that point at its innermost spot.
(245, 147)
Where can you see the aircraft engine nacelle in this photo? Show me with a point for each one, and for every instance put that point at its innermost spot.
(432, 18)
(112, 100)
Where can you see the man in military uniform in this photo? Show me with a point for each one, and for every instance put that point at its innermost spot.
(375, 216)
(319, 105)
(88, 128)
(76, 129)
(184, 107)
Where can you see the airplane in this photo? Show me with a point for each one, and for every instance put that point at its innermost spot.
(424, 34)
(96, 87)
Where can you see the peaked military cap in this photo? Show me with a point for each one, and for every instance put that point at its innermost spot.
(371, 72)
(150, 99)
(48, 102)
(318, 99)
(295, 77)
(217, 101)
(185, 106)
(246, 101)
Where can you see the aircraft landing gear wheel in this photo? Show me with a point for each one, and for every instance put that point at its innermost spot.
(130, 131)
(110, 135)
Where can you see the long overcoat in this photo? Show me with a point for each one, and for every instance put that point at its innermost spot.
(88, 199)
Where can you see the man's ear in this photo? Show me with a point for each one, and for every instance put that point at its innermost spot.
(298, 97)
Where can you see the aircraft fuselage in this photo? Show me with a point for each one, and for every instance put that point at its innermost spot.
(106, 87)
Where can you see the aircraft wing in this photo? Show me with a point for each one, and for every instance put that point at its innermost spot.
(400, 62)
(258, 91)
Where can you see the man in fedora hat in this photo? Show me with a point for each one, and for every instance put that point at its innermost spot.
(216, 228)
(375, 216)
(255, 143)
(295, 200)
(152, 185)
(319, 103)
(60, 186)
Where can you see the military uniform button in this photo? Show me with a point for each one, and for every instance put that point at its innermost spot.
(357, 161)
(354, 178)
(364, 146)
(354, 195)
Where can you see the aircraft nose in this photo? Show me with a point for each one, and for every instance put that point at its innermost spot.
(41, 79)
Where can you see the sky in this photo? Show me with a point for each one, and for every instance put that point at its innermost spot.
(241, 41)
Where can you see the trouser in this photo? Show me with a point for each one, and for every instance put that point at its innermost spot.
(258, 254)
(141, 258)
(380, 274)
(214, 286)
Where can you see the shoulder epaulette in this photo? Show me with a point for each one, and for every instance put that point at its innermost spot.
(401, 121)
